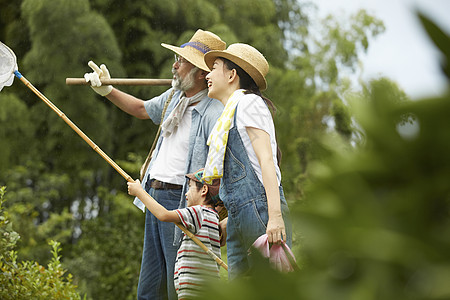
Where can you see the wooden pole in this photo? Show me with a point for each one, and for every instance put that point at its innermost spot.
(122, 81)
(198, 242)
(75, 128)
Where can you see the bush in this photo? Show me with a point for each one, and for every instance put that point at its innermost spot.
(29, 279)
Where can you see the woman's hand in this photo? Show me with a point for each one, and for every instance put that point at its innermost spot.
(276, 230)
(260, 139)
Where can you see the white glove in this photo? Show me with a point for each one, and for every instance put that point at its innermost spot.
(96, 77)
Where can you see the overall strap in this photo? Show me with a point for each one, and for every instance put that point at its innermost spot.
(150, 153)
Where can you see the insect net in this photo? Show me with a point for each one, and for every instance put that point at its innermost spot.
(8, 65)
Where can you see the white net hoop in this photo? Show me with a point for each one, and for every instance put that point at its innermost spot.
(8, 64)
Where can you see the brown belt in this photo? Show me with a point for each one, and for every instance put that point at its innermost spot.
(159, 185)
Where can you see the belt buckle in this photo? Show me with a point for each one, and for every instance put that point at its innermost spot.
(148, 184)
(157, 185)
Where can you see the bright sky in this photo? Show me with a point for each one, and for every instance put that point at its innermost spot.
(403, 52)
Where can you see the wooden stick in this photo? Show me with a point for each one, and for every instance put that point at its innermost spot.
(109, 160)
(74, 127)
(122, 81)
(198, 242)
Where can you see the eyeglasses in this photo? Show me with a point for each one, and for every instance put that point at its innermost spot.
(179, 59)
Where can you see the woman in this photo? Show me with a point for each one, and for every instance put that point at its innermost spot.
(243, 152)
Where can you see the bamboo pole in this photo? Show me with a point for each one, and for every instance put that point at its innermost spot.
(122, 81)
(74, 127)
(109, 160)
(198, 242)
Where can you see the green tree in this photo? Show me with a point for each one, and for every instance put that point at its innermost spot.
(309, 92)
(14, 122)
(47, 65)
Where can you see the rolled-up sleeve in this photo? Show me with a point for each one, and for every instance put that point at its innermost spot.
(155, 106)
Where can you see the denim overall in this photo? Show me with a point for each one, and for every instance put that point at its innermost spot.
(245, 198)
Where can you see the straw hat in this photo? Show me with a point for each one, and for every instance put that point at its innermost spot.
(246, 57)
(200, 43)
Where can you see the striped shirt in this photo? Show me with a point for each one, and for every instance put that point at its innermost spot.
(193, 265)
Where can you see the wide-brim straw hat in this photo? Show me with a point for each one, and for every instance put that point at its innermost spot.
(200, 43)
(246, 57)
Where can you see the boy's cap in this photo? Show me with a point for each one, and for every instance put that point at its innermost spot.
(212, 188)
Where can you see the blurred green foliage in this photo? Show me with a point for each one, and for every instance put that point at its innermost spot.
(365, 174)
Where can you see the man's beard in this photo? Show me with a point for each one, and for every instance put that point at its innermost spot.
(184, 84)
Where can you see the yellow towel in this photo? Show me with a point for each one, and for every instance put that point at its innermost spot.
(218, 139)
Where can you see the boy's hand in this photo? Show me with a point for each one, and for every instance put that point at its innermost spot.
(134, 187)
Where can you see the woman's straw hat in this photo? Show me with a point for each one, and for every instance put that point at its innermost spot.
(200, 43)
(246, 57)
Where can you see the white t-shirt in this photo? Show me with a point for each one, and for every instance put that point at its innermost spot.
(170, 164)
(252, 111)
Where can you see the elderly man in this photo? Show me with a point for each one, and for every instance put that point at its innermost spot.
(187, 122)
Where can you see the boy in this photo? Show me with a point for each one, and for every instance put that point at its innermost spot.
(192, 265)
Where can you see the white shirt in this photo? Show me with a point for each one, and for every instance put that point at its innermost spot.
(170, 164)
(252, 111)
